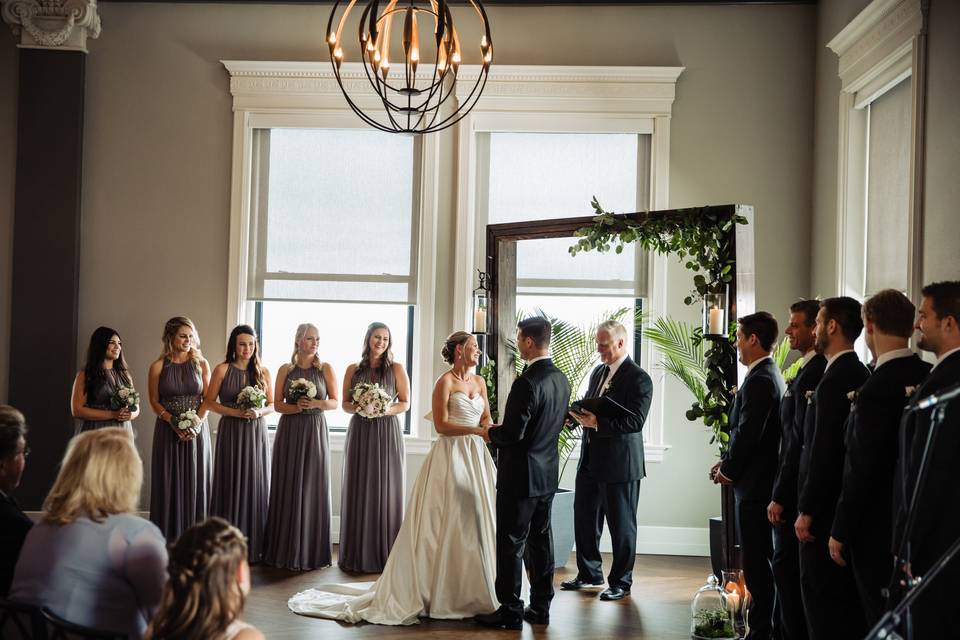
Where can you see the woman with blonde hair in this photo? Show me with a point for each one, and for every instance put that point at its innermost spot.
(209, 582)
(181, 465)
(91, 560)
(298, 522)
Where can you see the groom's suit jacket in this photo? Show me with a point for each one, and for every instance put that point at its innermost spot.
(614, 451)
(751, 459)
(528, 463)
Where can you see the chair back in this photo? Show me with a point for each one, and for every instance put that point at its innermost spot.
(59, 629)
(20, 621)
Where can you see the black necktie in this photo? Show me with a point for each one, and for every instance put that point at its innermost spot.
(604, 372)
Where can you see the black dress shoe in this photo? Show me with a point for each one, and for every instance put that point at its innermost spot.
(577, 583)
(536, 616)
(498, 620)
(614, 593)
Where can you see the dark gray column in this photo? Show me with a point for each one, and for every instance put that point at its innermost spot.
(46, 251)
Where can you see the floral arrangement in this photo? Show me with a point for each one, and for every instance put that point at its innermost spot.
(251, 398)
(188, 421)
(301, 388)
(371, 400)
(124, 398)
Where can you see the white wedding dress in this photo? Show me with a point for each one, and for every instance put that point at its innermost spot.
(443, 562)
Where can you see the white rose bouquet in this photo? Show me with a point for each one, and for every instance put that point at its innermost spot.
(188, 421)
(124, 398)
(301, 388)
(251, 398)
(371, 400)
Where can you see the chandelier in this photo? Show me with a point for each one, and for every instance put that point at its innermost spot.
(415, 96)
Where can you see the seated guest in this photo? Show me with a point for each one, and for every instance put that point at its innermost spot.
(209, 580)
(91, 561)
(14, 523)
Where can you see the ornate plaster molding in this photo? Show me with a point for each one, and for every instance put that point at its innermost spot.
(52, 24)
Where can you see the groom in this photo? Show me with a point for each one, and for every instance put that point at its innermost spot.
(527, 476)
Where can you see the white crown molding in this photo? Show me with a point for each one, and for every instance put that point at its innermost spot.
(878, 42)
(60, 25)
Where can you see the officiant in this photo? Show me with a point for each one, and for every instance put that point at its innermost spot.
(611, 466)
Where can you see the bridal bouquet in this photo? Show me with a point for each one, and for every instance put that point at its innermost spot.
(251, 398)
(124, 398)
(371, 400)
(301, 388)
(188, 421)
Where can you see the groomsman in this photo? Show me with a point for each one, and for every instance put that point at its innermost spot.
(862, 526)
(782, 510)
(611, 467)
(829, 594)
(750, 462)
(935, 614)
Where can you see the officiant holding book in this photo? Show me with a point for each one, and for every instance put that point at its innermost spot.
(611, 465)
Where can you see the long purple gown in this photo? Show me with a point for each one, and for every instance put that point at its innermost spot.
(371, 504)
(298, 524)
(241, 469)
(180, 471)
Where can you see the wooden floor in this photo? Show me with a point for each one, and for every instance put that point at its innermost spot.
(657, 609)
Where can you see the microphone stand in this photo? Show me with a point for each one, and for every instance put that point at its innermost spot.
(895, 617)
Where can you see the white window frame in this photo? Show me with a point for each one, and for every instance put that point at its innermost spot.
(306, 95)
(881, 47)
(579, 99)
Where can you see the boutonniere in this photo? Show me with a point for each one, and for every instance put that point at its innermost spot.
(809, 396)
(734, 389)
(606, 387)
(852, 396)
(788, 394)
(910, 390)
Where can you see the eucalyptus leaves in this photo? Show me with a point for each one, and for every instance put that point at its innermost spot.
(701, 237)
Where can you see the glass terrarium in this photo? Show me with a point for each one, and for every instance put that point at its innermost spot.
(711, 617)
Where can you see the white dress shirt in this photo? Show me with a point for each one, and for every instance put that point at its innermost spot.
(884, 358)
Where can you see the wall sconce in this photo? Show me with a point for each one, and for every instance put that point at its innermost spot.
(481, 302)
(715, 321)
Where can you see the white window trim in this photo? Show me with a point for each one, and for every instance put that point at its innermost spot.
(569, 99)
(878, 49)
(306, 94)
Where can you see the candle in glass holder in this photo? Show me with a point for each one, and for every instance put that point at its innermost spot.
(733, 601)
(480, 321)
(715, 323)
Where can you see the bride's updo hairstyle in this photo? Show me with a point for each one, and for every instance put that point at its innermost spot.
(454, 340)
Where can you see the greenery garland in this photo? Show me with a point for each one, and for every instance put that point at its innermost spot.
(701, 238)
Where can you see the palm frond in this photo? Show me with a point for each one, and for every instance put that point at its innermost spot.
(781, 352)
(685, 376)
(681, 342)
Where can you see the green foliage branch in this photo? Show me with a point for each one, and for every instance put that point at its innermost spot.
(700, 237)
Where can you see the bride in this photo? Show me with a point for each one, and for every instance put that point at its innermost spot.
(443, 562)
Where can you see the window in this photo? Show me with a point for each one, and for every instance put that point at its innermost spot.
(568, 169)
(333, 241)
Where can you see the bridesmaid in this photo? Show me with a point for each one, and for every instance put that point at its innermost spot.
(181, 470)
(371, 504)
(241, 469)
(298, 524)
(104, 372)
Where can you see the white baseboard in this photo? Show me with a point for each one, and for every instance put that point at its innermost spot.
(659, 541)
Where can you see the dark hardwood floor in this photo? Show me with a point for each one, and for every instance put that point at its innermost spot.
(657, 609)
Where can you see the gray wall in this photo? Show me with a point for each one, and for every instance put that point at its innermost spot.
(158, 151)
(8, 147)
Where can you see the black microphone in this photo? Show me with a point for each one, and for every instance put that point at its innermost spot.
(936, 398)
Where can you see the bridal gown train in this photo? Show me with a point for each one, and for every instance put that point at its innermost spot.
(443, 562)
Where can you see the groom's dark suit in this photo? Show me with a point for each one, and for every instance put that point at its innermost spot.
(609, 474)
(527, 477)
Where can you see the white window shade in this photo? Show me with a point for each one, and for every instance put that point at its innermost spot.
(333, 216)
(537, 176)
(888, 190)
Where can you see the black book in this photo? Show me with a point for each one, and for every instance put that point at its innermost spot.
(604, 406)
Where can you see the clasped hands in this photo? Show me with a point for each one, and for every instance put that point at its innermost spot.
(584, 418)
(718, 478)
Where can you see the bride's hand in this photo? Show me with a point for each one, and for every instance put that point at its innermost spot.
(485, 432)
